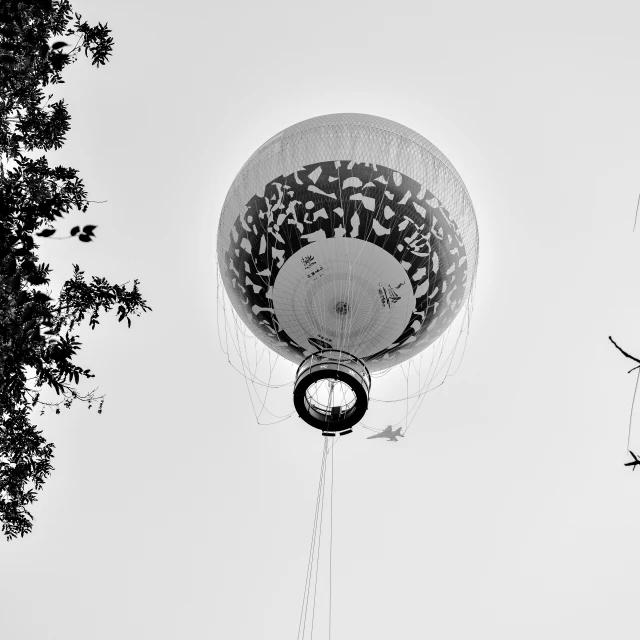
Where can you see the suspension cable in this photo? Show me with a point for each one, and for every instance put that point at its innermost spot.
(633, 402)
(314, 540)
(330, 539)
(307, 613)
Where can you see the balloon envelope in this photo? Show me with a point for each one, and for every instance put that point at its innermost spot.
(348, 232)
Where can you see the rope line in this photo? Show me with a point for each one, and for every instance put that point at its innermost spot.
(307, 621)
(319, 538)
(317, 527)
(633, 402)
(330, 542)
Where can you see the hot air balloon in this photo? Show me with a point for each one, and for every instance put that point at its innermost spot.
(347, 244)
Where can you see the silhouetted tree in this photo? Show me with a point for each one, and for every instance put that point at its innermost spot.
(38, 345)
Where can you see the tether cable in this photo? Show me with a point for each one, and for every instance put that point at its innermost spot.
(330, 540)
(633, 402)
(312, 551)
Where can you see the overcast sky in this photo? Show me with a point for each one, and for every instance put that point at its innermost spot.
(506, 512)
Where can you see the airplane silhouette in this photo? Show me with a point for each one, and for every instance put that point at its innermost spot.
(634, 463)
(388, 433)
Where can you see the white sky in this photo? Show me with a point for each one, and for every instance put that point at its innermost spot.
(506, 512)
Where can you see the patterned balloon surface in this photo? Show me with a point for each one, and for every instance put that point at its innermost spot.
(348, 232)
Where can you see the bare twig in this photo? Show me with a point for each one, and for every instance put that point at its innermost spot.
(626, 354)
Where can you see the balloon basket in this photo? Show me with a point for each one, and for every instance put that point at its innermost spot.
(331, 391)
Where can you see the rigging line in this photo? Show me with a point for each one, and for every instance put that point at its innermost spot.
(636, 218)
(305, 597)
(418, 404)
(270, 246)
(351, 286)
(266, 393)
(406, 417)
(394, 224)
(464, 349)
(249, 392)
(225, 347)
(218, 282)
(246, 367)
(250, 377)
(244, 350)
(255, 380)
(448, 363)
(366, 329)
(462, 334)
(416, 407)
(430, 377)
(319, 538)
(331, 538)
(631, 416)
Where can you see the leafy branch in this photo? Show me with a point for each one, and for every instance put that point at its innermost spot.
(38, 345)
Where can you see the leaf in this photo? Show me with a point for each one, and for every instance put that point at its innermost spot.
(84, 238)
(88, 229)
(9, 30)
(36, 278)
(75, 230)
(45, 233)
(58, 45)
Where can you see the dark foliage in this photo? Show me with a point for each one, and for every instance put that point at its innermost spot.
(38, 39)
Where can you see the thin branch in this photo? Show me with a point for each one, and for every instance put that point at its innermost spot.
(625, 353)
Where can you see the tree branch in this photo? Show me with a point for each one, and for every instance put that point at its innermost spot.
(619, 348)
